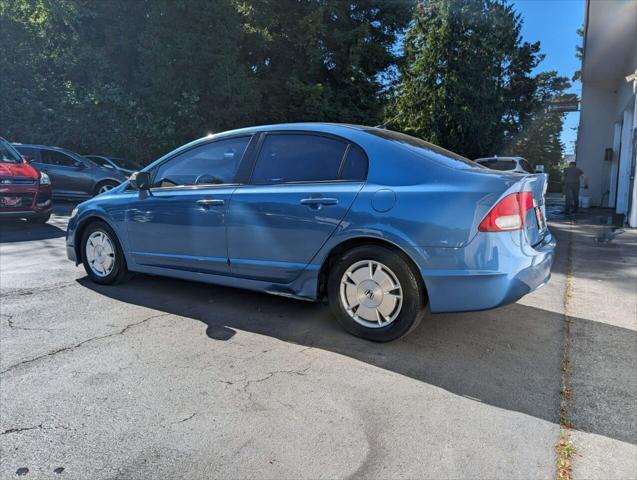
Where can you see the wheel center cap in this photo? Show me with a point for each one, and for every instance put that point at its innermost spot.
(370, 294)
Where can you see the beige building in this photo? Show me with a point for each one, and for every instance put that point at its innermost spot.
(606, 148)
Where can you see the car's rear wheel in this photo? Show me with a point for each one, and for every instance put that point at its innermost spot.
(375, 293)
(39, 218)
(104, 187)
(102, 255)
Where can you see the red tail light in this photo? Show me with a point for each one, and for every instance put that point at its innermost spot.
(508, 214)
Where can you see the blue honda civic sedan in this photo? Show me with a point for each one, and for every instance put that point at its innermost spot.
(382, 224)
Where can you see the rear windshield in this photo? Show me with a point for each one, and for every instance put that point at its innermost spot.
(498, 164)
(421, 147)
(8, 154)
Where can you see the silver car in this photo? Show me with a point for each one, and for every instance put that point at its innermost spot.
(72, 175)
(506, 164)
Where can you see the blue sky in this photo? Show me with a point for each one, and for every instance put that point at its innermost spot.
(554, 24)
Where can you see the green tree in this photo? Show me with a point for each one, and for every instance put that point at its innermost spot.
(466, 79)
(190, 74)
(539, 138)
(322, 60)
(139, 77)
(579, 53)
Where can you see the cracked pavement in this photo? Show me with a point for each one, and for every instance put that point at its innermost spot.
(161, 378)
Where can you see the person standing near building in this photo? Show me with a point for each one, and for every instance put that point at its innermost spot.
(571, 183)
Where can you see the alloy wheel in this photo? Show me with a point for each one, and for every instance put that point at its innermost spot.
(100, 253)
(371, 294)
(106, 187)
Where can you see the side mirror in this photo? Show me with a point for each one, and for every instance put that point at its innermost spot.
(27, 158)
(80, 165)
(140, 180)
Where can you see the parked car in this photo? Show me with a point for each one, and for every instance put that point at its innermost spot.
(509, 164)
(72, 176)
(380, 223)
(123, 165)
(24, 191)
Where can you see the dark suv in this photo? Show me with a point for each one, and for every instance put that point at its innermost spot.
(72, 175)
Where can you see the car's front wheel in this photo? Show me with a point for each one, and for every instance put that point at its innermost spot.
(102, 255)
(375, 293)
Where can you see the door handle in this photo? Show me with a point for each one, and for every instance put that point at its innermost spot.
(316, 201)
(210, 202)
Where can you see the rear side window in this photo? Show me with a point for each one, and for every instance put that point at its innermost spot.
(52, 157)
(209, 164)
(355, 167)
(298, 158)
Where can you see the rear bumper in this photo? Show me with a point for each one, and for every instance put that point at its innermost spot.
(493, 270)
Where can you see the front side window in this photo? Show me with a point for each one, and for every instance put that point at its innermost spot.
(53, 157)
(298, 158)
(210, 164)
(31, 154)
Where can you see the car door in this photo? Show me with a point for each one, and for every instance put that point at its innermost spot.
(180, 222)
(69, 176)
(301, 187)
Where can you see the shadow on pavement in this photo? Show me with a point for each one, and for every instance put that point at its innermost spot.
(15, 230)
(509, 358)
(18, 230)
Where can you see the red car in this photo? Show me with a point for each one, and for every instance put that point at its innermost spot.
(25, 192)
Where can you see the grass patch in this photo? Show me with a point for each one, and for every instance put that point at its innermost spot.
(564, 447)
(565, 451)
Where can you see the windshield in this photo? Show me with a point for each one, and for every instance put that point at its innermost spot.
(125, 163)
(421, 147)
(99, 161)
(8, 154)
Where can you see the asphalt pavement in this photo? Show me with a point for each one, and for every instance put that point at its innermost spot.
(162, 378)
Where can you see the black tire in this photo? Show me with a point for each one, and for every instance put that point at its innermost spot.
(39, 218)
(119, 273)
(105, 183)
(414, 298)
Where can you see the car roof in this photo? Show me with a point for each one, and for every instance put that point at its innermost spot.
(348, 131)
(35, 145)
(46, 147)
(341, 129)
(309, 126)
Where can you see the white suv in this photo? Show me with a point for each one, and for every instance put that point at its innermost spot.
(509, 164)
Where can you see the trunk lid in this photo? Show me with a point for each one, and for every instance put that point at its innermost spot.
(535, 221)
